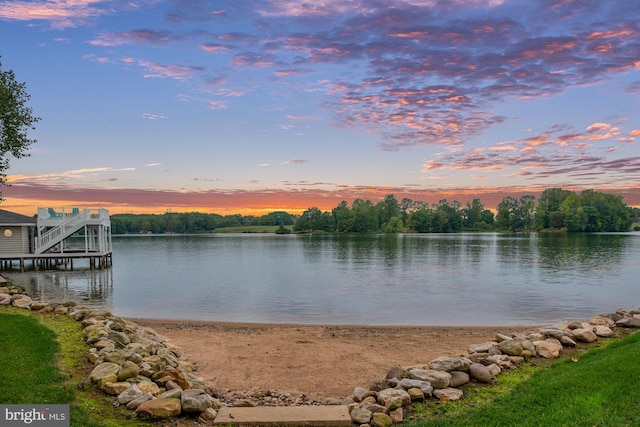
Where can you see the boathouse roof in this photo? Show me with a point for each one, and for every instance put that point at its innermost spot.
(12, 218)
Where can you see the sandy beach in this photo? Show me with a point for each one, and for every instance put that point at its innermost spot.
(317, 361)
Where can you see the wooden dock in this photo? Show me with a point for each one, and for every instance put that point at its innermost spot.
(55, 239)
(54, 261)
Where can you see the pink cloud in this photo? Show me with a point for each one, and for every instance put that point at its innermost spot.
(60, 14)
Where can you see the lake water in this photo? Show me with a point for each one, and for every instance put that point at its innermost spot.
(408, 279)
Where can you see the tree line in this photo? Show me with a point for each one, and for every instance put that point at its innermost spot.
(555, 209)
(191, 222)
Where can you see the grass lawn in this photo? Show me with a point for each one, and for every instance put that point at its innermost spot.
(597, 388)
(43, 360)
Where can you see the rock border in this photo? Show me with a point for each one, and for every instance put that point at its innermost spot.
(143, 372)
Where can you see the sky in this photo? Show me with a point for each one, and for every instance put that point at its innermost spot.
(253, 106)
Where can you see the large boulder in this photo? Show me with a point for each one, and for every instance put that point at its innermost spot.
(160, 408)
(449, 393)
(480, 373)
(584, 335)
(424, 386)
(394, 398)
(105, 372)
(511, 347)
(549, 348)
(438, 379)
(449, 364)
(133, 392)
(361, 416)
(195, 400)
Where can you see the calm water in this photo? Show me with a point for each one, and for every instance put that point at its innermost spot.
(415, 279)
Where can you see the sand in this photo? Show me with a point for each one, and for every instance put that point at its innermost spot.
(316, 361)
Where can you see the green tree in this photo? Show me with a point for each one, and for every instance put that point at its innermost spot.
(472, 214)
(387, 209)
(420, 220)
(366, 216)
(310, 220)
(575, 217)
(550, 200)
(16, 119)
(343, 217)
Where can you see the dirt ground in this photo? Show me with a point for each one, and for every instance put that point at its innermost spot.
(318, 361)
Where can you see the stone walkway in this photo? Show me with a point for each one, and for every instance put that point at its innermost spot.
(321, 416)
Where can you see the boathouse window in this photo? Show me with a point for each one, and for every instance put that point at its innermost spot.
(8, 233)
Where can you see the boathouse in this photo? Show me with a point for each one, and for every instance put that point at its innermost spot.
(55, 238)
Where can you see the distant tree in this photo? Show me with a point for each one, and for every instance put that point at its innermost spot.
(516, 214)
(366, 216)
(387, 209)
(550, 200)
(420, 220)
(343, 217)
(311, 219)
(16, 119)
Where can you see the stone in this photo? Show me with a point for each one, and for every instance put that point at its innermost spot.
(114, 389)
(480, 373)
(176, 393)
(458, 378)
(23, 302)
(449, 364)
(105, 372)
(114, 357)
(359, 393)
(549, 348)
(397, 415)
(393, 398)
(149, 387)
(397, 372)
(361, 415)
(601, 320)
(629, 322)
(448, 393)
(603, 331)
(375, 407)
(552, 332)
(160, 408)
(133, 392)
(119, 338)
(195, 400)
(416, 394)
(568, 342)
(424, 386)
(494, 370)
(133, 405)
(128, 370)
(486, 347)
(584, 335)
(438, 379)
(381, 420)
(511, 347)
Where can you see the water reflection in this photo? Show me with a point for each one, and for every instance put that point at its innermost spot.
(411, 279)
(88, 287)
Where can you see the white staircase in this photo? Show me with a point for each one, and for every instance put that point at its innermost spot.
(57, 234)
(54, 227)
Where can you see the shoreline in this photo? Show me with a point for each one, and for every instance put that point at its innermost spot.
(316, 361)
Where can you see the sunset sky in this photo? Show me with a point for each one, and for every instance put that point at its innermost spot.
(251, 106)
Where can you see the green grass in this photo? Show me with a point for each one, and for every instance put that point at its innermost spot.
(43, 360)
(600, 389)
(29, 373)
